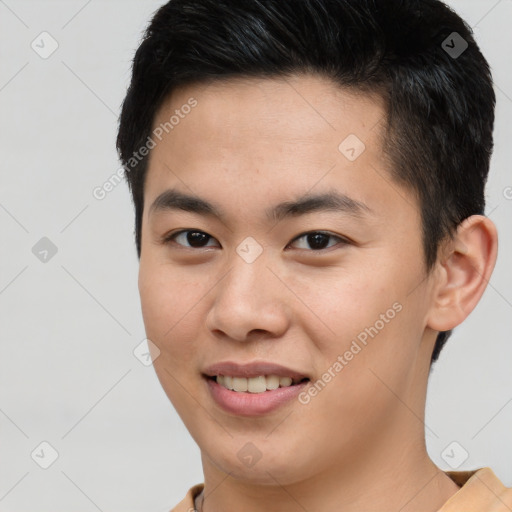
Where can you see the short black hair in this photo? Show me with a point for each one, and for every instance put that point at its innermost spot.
(419, 55)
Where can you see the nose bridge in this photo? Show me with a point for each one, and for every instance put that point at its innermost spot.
(249, 271)
(247, 299)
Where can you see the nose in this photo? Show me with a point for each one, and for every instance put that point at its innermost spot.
(249, 302)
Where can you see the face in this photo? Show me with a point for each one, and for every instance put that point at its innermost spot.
(272, 233)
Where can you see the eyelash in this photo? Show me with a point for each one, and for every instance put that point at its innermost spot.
(170, 238)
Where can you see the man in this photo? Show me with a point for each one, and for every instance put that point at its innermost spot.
(308, 180)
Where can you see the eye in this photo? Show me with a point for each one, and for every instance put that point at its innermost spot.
(319, 240)
(196, 239)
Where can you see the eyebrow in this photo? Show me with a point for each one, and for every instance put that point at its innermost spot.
(334, 201)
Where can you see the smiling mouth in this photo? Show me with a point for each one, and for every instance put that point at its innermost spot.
(260, 384)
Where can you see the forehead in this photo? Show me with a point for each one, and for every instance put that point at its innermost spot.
(306, 108)
(271, 139)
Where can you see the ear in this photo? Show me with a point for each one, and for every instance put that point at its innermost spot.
(464, 269)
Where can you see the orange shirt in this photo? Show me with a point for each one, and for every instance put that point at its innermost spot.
(481, 491)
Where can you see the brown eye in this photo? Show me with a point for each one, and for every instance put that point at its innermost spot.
(319, 240)
(190, 238)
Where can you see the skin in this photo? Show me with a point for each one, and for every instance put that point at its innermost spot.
(360, 443)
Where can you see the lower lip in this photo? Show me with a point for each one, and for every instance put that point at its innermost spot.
(253, 404)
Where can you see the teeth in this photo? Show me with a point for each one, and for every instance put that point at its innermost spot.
(240, 384)
(258, 384)
(272, 381)
(285, 381)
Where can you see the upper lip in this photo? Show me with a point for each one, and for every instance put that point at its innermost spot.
(254, 369)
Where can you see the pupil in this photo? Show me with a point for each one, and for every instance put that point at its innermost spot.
(318, 240)
(194, 238)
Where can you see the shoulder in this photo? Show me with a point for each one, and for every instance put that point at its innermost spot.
(482, 492)
(187, 503)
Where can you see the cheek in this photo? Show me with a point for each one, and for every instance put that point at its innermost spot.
(374, 323)
(170, 305)
(348, 306)
(171, 310)
(357, 387)
(379, 353)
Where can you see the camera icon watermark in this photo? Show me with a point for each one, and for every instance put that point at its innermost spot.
(249, 250)
(249, 454)
(351, 147)
(146, 352)
(44, 250)
(454, 455)
(454, 45)
(44, 455)
(44, 45)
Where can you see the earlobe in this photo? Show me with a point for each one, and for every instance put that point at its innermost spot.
(465, 270)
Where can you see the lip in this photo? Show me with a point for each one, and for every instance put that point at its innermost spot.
(252, 404)
(253, 369)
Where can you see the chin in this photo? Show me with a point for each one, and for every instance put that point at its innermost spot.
(274, 466)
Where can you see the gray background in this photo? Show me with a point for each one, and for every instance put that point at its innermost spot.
(69, 325)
